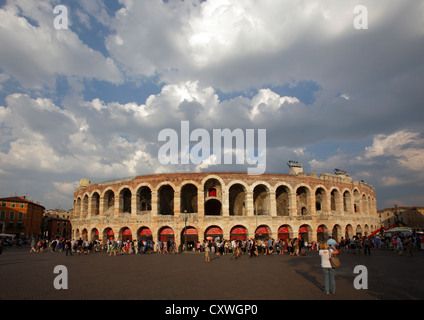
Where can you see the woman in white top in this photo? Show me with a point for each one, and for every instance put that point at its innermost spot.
(329, 272)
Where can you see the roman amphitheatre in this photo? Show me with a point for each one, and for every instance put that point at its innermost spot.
(227, 205)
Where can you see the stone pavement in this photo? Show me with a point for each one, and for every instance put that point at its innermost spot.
(187, 277)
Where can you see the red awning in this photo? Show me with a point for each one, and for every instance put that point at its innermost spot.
(167, 231)
(127, 232)
(238, 230)
(145, 232)
(214, 230)
(212, 192)
(283, 230)
(190, 230)
(262, 230)
(110, 233)
(303, 230)
(320, 229)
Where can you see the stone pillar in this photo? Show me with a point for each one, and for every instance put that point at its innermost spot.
(101, 206)
(133, 204)
(200, 203)
(155, 204)
(177, 203)
(89, 207)
(225, 203)
(250, 210)
(339, 204)
(311, 204)
(272, 203)
(117, 205)
(292, 204)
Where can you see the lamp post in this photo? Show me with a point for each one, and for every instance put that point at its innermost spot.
(185, 230)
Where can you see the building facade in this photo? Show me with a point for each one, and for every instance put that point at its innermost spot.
(226, 205)
(56, 224)
(412, 217)
(21, 217)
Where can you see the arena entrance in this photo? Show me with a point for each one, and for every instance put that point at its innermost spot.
(304, 233)
(192, 237)
(213, 232)
(284, 233)
(126, 234)
(166, 234)
(108, 234)
(238, 233)
(262, 233)
(145, 234)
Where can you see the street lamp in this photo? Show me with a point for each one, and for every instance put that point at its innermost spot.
(185, 230)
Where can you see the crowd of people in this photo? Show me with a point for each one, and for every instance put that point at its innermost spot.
(400, 244)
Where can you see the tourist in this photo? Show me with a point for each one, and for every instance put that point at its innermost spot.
(367, 245)
(207, 251)
(112, 247)
(332, 243)
(328, 271)
(68, 247)
(33, 246)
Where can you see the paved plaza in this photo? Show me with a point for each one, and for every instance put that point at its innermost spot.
(188, 277)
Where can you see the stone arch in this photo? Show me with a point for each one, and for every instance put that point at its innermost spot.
(322, 233)
(84, 234)
(78, 206)
(125, 198)
(336, 233)
(108, 202)
(144, 233)
(285, 232)
(305, 232)
(125, 234)
(238, 232)
(108, 234)
(166, 200)
(95, 203)
(218, 179)
(84, 206)
(347, 201)
(357, 208)
(261, 200)
(94, 234)
(214, 231)
(212, 192)
(263, 232)
(166, 233)
(302, 200)
(282, 196)
(335, 198)
(192, 236)
(237, 194)
(359, 231)
(321, 199)
(364, 204)
(189, 198)
(349, 231)
(143, 198)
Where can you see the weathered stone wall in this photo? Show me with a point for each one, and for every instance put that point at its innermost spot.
(323, 205)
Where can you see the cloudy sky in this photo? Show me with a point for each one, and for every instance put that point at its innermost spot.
(89, 101)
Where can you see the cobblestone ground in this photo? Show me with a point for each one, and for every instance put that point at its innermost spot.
(188, 277)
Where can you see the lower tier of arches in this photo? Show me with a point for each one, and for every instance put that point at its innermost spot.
(194, 232)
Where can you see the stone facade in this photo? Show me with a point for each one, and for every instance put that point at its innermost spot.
(226, 204)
